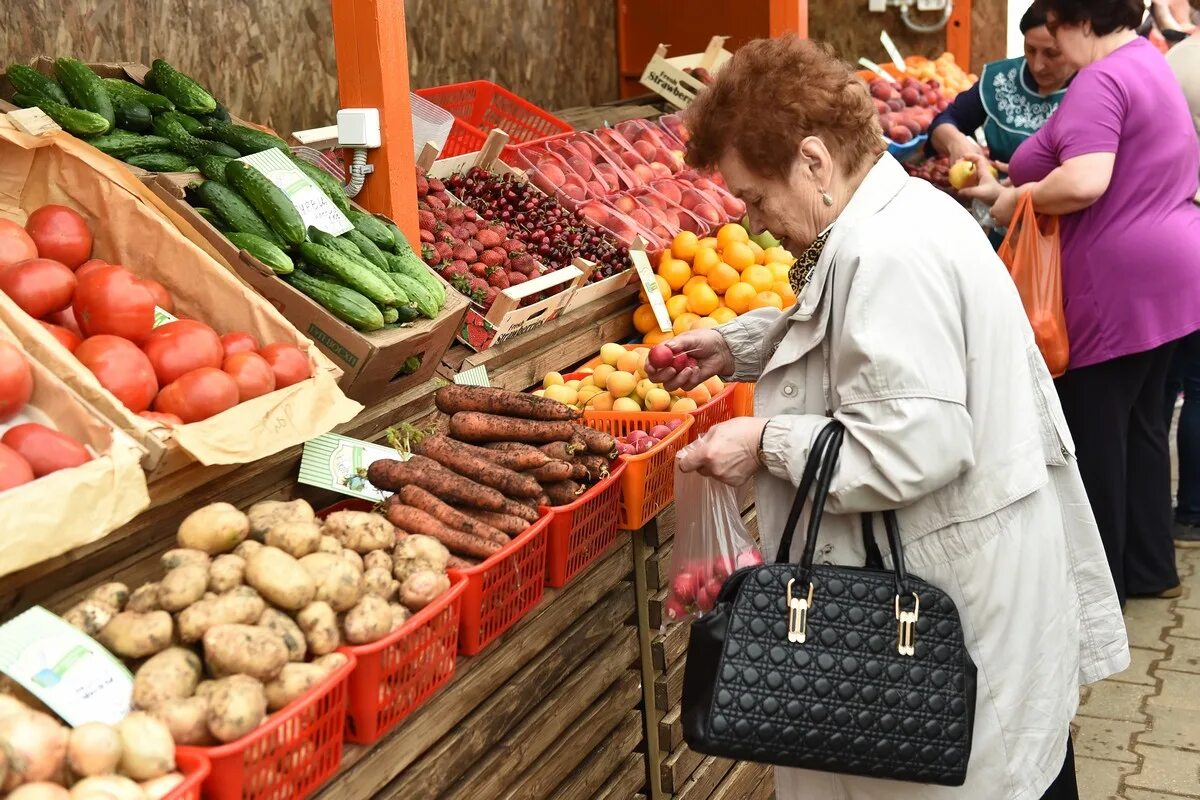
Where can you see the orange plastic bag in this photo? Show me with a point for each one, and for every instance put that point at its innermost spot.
(1031, 252)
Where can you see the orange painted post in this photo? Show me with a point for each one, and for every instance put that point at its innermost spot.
(958, 33)
(372, 64)
(789, 16)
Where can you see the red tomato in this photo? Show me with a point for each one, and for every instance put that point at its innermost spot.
(15, 244)
(60, 233)
(198, 395)
(165, 419)
(121, 368)
(65, 319)
(111, 301)
(182, 346)
(68, 339)
(162, 298)
(16, 381)
(14, 470)
(39, 286)
(90, 266)
(252, 373)
(288, 362)
(46, 449)
(239, 342)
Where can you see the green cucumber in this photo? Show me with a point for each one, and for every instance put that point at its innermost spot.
(373, 229)
(390, 315)
(367, 248)
(352, 274)
(230, 206)
(351, 251)
(330, 185)
(73, 120)
(161, 162)
(120, 89)
(346, 304)
(266, 252)
(186, 144)
(245, 140)
(213, 166)
(132, 116)
(416, 270)
(122, 144)
(84, 88)
(409, 313)
(397, 236)
(189, 123)
(28, 81)
(184, 92)
(211, 218)
(268, 199)
(425, 302)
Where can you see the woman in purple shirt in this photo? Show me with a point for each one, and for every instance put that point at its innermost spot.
(1118, 163)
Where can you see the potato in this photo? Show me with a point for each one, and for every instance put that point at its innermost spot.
(406, 568)
(400, 615)
(226, 573)
(293, 638)
(422, 588)
(297, 539)
(133, 635)
(280, 579)
(90, 616)
(160, 787)
(93, 749)
(107, 787)
(169, 675)
(244, 650)
(331, 662)
(269, 513)
(320, 626)
(186, 719)
(354, 560)
(115, 594)
(247, 549)
(337, 581)
(182, 586)
(421, 548)
(40, 790)
(144, 598)
(360, 531)
(330, 545)
(293, 681)
(215, 528)
(147, 749)
(182, 556)
(238, 705)
(242, 606)
(206, 688)
(369, 621)
(377, 559)
(380, 582)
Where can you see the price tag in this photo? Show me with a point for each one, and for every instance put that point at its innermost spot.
(339, 463)
(32, 121)
(65, 668)
(892, 51)
(315, 208)
(641, 263)
(476, 376)
(162, 317)
(878, 70)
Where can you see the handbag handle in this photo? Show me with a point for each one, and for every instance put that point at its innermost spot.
(815, 457)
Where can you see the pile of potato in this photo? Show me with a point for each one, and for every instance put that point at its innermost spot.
(253, 606)
(39, 757)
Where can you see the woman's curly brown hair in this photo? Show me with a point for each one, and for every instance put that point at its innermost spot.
(770, 96)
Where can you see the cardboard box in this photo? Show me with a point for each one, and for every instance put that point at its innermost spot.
(666, 77)
(371, 363)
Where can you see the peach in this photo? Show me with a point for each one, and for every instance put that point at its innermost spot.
(644, 173)
(896, 104)
(641, 217)
(881, 106)
(645, 149)
(910, 96)
(575, 192)
(597, 189)
(581, 166)
(595, 213)
(551, 172)
(900, 134)
(625, 203)
(881, 90)
(660, 170)
(708, 213)
(733, 206)
(669, 190)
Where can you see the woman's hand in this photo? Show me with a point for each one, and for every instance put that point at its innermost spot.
(1005, 205)
(728, 452)
(707, 347)
(988, 189)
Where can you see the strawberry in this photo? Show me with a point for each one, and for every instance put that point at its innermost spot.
(427, 237)
(479, 269)
(461, 266)
(525, 264)
(436, 185)
(460, 232)
(422, 186)
(470, 214)
(426, 220)
(456, 269)
(499, 279)
(489, 238)
(513, 246)
(684, 586)
(490, 296)
(471, 227)
(478, 286)
(462, 251)
(499, 251)
(516, 278)
(476, 246)
(430, 255)
(455, 215)
(435, 203)
(444, 251)
(490, 258)
(461, 283)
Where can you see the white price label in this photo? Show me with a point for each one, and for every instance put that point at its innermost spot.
(475, 376)
(641, 262)
(878, 70)
(315, 208)
(340, 463)
(892, 51)
(162, 317)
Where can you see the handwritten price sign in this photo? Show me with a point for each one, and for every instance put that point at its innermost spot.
(315, 208)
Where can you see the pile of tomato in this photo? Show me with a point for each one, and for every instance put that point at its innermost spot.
(179, 372)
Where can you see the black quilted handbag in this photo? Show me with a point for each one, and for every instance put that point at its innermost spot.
(851, 670)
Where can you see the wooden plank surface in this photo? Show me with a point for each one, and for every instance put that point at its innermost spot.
(365, 770)
(678, 767)
(705, 779)
(613, 764)
(657, 600)
(668, 686)
(626, 779)
(669, 647)
(670, 730)
(746, 781)
(661, 529)
(658, 567)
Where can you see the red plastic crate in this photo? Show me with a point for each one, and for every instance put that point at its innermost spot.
(582, 531)
(503, 588)
(287, 757)
(479, 106)
(195, 769)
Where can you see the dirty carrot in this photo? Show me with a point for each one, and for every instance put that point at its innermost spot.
(414, 521)
(453, 399)
(554, 471)
(597, 442)
(446, 452)
(392, 476)
(418, 498)
(473, 426)
(506, 523)
(519, 460)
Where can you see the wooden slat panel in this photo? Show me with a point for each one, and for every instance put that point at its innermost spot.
(705, 779)
(668, 687)
(678, 767)
(746, 781)
(658, 567)
(614, 767)
(669, 647)
(662, 529)
(670, 730)
(366, 770)
(656, 608)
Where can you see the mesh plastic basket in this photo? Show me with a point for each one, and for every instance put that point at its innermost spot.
(743, 400)
(194, 768)
(479, 106)
(584, 530)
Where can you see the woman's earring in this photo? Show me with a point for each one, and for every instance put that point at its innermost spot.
(827, 199)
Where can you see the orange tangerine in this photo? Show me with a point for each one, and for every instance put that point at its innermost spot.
(779, 254)
(738, 255)
(676, 305)
(664, 257)
(663, 287)
(730, 233)
(779, 270)
(759, 277)
(684, 246)
(722, 277)
(706, 322)
(656, 337)
(706, 258)
(766, 300)
(723, 315)
(695, 280)
(759, 257)
(709, 241)
(702, 300)
(684, 322)
(784, 290)
(676, 272)
(643, 319)
(739, 296)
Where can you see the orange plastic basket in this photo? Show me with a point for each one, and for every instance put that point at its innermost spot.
(648, 481)
(479, 106)
(743, 400)
(503, 588)
(289, 755)
(195, 769)
(582, 531)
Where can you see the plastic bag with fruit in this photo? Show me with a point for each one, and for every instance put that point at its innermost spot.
(711, 541)
(1031, 253)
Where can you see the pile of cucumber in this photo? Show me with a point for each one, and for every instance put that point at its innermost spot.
(168, 125)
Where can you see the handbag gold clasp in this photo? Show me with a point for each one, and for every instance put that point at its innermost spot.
(906, 635)
(798, 613)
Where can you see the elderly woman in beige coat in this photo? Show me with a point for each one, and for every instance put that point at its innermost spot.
(909, 331)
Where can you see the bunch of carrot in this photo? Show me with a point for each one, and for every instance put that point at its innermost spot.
(506, 454)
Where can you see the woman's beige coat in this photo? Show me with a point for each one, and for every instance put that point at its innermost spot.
(912, 334)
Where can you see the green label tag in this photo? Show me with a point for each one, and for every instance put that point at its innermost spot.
(339, 463)
(162, 317)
